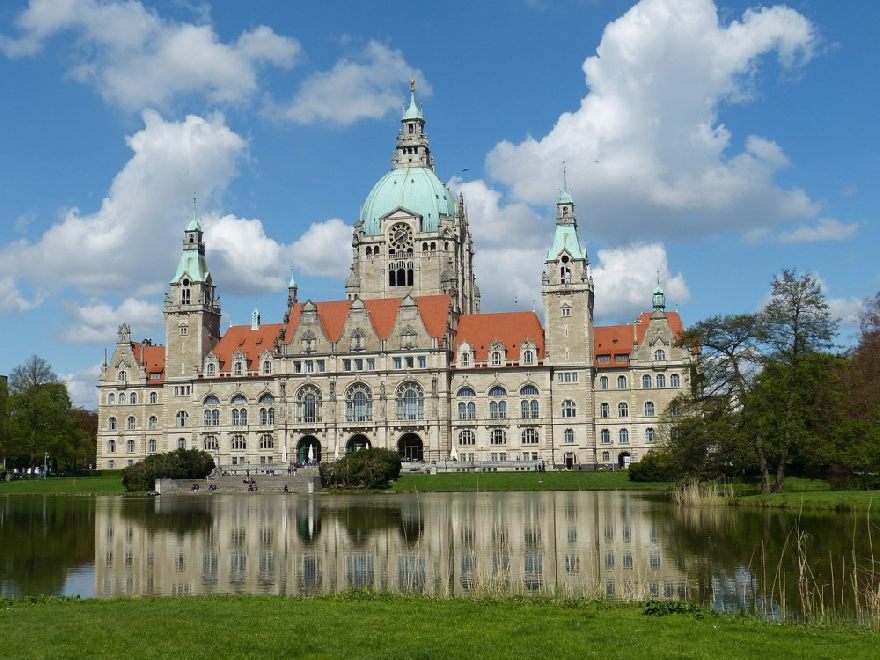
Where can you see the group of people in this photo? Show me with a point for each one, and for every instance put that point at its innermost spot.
(251, 484)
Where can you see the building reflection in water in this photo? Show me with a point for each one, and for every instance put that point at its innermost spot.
(577, 544)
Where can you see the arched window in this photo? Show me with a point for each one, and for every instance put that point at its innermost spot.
(605, 436)
(212, 417)
(238, 442)
(111, 424)
(498, 437)
(239, 415)
(496, 359)
(649, 435)
(661, 380)
(649, 409)
(129, 424)
(529, 408)
(623, 435)
(154, 423)
(622, 410)
(151, 446)
(266, 398)
(603, 382)
(497, 391)
(646, 382)
(210, 370)
(154, 398)
(467, 410)
(467, 438)
(569, 408)
(122, 398)
(129, 446)
(211, 443)
(237, 368)
(111, 399)
(605, 456)
(621, 382)
(182, 418)
(530, 437)
(181, 443)
(410, 401)
(239, 399)
(308, 401)
(465, 359)
(528, 357)
(359, 403)
(660, 355)
(111, 446)
(133, 398)
(498, 409)
(675, 380)
(266, 441)
(122, 376)
(211, 400)
(267, 416)
(604, 410)
(466, 391)
(568, 436)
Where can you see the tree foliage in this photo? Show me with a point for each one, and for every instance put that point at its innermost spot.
(368, 468)
(178, 464)
(37, 419)
(770, 398)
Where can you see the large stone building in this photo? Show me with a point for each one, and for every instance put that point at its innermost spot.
(406, 361)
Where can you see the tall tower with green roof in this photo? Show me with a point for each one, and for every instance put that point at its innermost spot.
(192, 310)
(412, 237)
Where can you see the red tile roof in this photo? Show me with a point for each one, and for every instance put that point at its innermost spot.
(619, 339)
(250, 342)
(511, 328)
(149, 356)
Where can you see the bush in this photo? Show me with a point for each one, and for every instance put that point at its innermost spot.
(368, 468)
(180, 464)
(656, 465)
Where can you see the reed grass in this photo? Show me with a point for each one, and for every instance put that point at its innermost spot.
(693, 492)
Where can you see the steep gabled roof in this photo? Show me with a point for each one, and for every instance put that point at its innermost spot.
(250, 342)
(619, 339)
(151, 357)
(510, 328)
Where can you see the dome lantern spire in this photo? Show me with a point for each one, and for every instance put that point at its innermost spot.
(413, 149)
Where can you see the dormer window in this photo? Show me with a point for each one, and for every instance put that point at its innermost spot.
(122, 376)
(497, 358)
(267, 367)
(237, 368)
(209, 370)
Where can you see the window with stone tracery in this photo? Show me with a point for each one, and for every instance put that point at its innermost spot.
(359, 403)
(410, 401)
(308, 401)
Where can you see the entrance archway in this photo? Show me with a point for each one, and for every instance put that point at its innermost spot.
(302, 449)
(410, 447)
(569, 460)
(623, 460)
(357, 442)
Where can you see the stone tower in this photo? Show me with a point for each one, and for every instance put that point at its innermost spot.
(412, 237)
(192, 310)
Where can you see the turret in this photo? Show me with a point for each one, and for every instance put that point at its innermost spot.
(413, 148)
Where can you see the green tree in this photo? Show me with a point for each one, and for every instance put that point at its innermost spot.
(39, 408)
(4, 423)
(794, 326)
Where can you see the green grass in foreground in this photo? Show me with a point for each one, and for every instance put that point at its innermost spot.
(829, 500)
(512, 481)
(368, 626)
(102, 485)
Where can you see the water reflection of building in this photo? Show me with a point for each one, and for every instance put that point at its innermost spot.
(567, 543)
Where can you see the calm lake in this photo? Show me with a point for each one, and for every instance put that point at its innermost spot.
(613, 544)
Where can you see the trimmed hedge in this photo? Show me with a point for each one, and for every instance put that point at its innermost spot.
(367, 468)
(179, 464)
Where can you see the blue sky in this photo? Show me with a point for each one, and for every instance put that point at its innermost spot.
(717, 142)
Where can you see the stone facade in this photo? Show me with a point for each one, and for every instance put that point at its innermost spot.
(406, 361)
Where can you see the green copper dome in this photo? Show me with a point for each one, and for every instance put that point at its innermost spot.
(416, 189)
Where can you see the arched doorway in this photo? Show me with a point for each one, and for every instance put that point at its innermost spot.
(302, 449)
(410, 447)
(357, 442)
(623, 460)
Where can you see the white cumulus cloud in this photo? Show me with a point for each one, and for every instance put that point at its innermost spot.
(135, 58)
(826, 229)
(646, 149)
(96, 322)
(364, 87)
(82, 386)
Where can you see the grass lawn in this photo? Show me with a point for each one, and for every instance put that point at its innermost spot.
(501, 481)
(102, 485)
(369, 626)
(828, 500)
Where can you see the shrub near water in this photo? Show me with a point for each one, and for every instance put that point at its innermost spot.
(180, 464)
(368, 468)
(656, 465)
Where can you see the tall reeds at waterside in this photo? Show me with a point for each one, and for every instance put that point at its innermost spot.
(703, 493)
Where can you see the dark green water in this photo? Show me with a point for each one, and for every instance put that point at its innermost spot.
(614, 544)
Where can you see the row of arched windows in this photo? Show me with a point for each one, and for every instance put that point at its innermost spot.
(131, 423)
(130, 399)
(623, 409)
(239, 368)
(623, 436)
